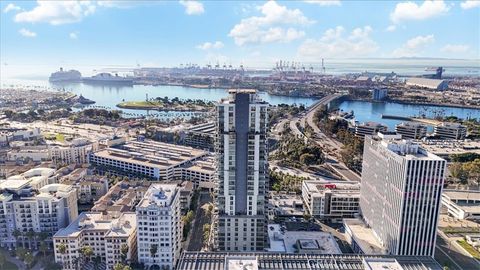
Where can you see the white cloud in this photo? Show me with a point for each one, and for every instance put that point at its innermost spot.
(73, 35)
(210, 45)
(11, 7)
(27, 33)
(391, 28)
(334, 44)
(324, 2)
(455, 48)
(57, 12)
(414, 46)
(470, 4)
(192, 7)
(267, 28)
(405, 11)
(122, 3)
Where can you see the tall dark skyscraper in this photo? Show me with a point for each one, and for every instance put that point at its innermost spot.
(242, 170)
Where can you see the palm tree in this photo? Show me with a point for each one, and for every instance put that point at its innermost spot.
(29, 259)
(62, 248)
(87, 252)
(20, 252)
(153, 251)
(124, 252)
(96, 262)
(43, 248)
(30, 235)
(17, 234)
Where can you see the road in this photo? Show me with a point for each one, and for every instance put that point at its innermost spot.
(447, 254)
(321, 139)
(201, 218)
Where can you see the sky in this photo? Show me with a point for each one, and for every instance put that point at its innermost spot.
(255, 33)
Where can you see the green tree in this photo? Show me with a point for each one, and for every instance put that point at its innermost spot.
(62, 248)
(18, 235)
(124, 252)
(30, 235)
(43, 248)
(153, 250)
(307, 159)
(29, 259)
(458, 171)
(87, 252)
(20, 252)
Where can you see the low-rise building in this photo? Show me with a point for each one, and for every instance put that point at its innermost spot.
(74, 152)
(25, 154)
(193, 260)
(9, 135)
(331, 199)
(411, 130)
(201, 173)
(122, 197)
(25, 210)
(452, 131)
(159, 232)
(90, 188)
(201, 136)
(369, 128)
(462, 204)
(36, 178)
(104, 232)
(284, 205)
(361, 238)
(379, 94)
(434, 84)
(150, 159)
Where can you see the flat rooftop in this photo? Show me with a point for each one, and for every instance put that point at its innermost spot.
(336, 187)
(363, 236)
(381, 264)
(159, 194)
(123, 225)
(462, 195)
(151, 154)
(317, 241)
(191, 260)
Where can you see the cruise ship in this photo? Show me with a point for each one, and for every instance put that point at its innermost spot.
(66, 76)
(107, 78)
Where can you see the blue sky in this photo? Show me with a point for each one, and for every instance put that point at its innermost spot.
(259, 33)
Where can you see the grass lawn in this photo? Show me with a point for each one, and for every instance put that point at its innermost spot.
(60, 137)
(469, 249)
(141, 103)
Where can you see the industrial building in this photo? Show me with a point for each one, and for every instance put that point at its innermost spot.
(411, 130)
(242, 169)
(434, 84)
(331, 199)
(462, 204)
(400, 194)
(450, 131)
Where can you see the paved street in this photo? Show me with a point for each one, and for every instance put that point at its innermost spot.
(447, 254)
(201, 218)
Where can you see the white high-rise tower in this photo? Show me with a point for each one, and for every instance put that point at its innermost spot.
(242, 170)
(400, 194)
